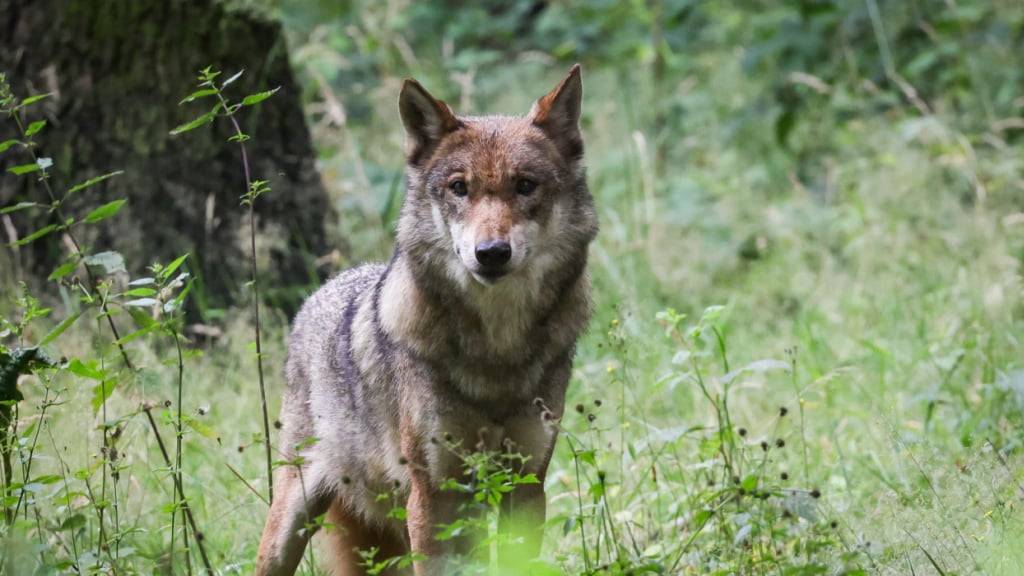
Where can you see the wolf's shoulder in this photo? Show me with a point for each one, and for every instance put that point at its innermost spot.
(327, 304)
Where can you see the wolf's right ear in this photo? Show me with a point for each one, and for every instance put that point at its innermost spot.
(426, 120)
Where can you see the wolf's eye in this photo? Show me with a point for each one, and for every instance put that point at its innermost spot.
(525, 186)
(458, 187)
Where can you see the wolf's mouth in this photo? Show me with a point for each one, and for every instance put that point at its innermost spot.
(489, 277)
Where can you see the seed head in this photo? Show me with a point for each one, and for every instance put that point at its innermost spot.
(833, 524)
(277, 424)
(764, 445)
(346, 480)
(591, 417)
(784, 475)
(742, 432)
(780, 443)
(815, 493)
(598, 402)
(402, 461)
(580, 408)
(783, 411)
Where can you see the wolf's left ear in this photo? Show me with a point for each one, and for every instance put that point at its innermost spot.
(426, 120)
(558, 114)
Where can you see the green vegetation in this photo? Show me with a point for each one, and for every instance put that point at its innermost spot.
(807, 353)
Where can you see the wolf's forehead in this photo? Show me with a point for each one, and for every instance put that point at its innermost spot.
(497, 146)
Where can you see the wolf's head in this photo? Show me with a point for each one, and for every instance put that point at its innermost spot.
(496, 199)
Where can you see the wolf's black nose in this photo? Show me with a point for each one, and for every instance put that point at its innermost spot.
(493, 253)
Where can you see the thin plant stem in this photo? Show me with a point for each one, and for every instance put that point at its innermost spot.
(579, 502)
(240, 136)
(148, 410)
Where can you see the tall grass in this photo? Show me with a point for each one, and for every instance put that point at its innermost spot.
(797, 365)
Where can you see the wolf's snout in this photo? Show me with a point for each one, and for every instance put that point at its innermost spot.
(492, 254)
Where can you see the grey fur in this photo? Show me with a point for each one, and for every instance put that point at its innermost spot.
(384, 361)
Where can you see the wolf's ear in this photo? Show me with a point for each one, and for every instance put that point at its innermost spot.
(558, 114)
(426, 119)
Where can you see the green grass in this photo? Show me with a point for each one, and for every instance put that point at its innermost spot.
(873, 290)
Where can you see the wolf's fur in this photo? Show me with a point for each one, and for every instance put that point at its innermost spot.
(385, 361)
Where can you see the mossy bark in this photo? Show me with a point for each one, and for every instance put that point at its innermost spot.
(116, 71)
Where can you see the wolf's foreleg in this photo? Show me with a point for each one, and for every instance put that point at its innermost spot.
(428, 508)
(296, 501)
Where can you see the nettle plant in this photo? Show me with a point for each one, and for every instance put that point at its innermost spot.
(740, 509)
(73, 517)
(210, 87)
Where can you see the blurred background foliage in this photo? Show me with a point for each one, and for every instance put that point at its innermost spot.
(845, 176)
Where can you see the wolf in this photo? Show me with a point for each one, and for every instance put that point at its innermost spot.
(464, 338)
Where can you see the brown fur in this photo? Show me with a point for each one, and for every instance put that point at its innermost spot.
(385, 361)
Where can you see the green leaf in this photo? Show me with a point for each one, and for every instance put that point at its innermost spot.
(138, 333)
(92, 182)
(253, 99)
(85, 370)
(105, 211)
(139, 292)
(234, 77)
(197, 95)
(33, 99)
(172, 267)
(588, 457)
(21, 206)
(6, 144)
(101, 392)
(201, 428)
(196, 123)
(23, 169)
(35, 235)
(142, 302)
(63, 270)
(141, 318)
(105, 263)
(59, 329)
(750, 482)
(35, 127)
(73, 522)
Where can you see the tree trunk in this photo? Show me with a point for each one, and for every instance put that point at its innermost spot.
(116, 71)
